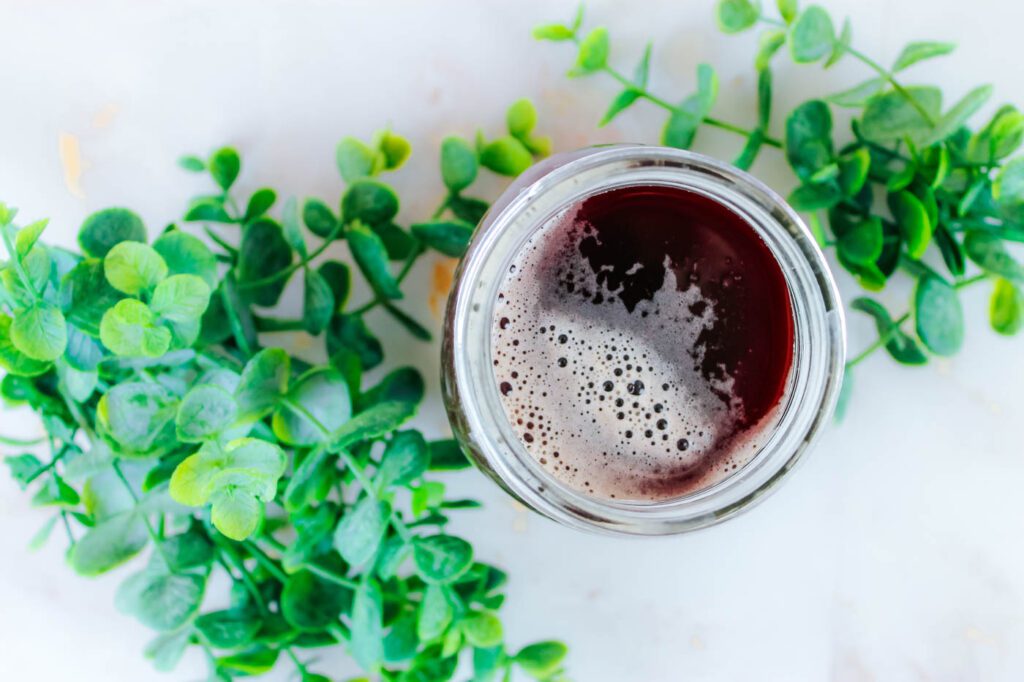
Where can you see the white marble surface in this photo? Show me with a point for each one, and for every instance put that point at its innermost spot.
(895, 553)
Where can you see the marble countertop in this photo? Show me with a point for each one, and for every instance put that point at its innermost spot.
(895, 552)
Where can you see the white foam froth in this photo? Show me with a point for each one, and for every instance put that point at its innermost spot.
(611, 402)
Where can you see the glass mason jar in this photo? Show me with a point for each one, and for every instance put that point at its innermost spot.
(471, 391)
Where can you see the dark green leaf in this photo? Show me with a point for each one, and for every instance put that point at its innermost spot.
(397, 242)
(911, 216)
(318, 217)
(371, 257)
(815, 197)
(408, 322)
(458, 163)
(449, 237)
(403, 384)
(264, 253)
(318, 303)
(370, 202)
(809, 138)
(862, 245)
(374, 422)
(349, 332)
(309, 602)
(339, 278)
(952, 252)
(446, 455)
(989, 252)
(321, 395)
(224, 167)
(259, 203)
(231, 628)
(467, 208)
(104, 229)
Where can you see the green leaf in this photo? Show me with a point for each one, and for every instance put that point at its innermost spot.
(79, 384)
(256, 661)
(395, 149)
(259, 203)
(841, 45)
(263, 382)
(397, 242)
(187, 255)
(435, 614)
(911, 216)
(361, 530)
(129, 329)
(133, 267)
(23, 468)
(767, 45)
(318, 303)
(593, 53)
(555, 32)
(205, 412)
(225, 165)
(853, 171)
(161, 601)
(858, 95)
(917, 52)
(167, 649)
(862, 245)
(707, 87)
(989, 252)
(681, 126)
(230, 628)
(39, 333)
(350, 332)
(408, 322)
(815, 197)
(467, 208)
(541, 659)
(506, 156)
(311, 603)
(366, 645)
(192, 163)
(13, 360)
(446, 455)
(28, 236)
(404, 384)
(811, 36)
(181, 298)
(401, 642)
(1000, 137)
(809, 138)
(902, 347)
(622, 101)
(458, 163)
(355, 159)
(891, 115)
(1006, 308)
(787, 10)
(207, 209)
(338, 277)
(952, 253)
(188, 550)
(441, 559)
(138, 417)
(90, 295)
(108, 545)
(104, 229)
(372, 259)
(319, 218)
(735, 16)
(320, 394)
(370, 202)
(291, 228)
(405, 459)
(938, 316)
(264, 253)
(1008, 190)
(374, 422)
(957, 117)
(482, 629)
(521, 118)
(450, 237)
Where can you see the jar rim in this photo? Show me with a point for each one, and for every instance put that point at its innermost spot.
(470, 388)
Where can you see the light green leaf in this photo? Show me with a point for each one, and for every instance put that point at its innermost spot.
(521, 118)
(811, 36)
(161, 601)
(737, 15)
(185, 254)
(1008, 190)
(40, 332)
(435, 614)
(28, 236)
(938, 316)
(366, 645)
(374, 422)
(361, 530)
(506, 156)
(264, 381)
(989, 252)
(167, 649)
(956, 117)
(230, 628)
(405, 459)
(205, 412)
(139, 417)
(235, 512)
(542, 659)
(13, 360)
(442, 558)
(394, 148)
(355, 159)
(787, 10)
(916, 52)
(858, 95)
(913, 220)
(891, 115)
(318, 400)
(555, 32)
(768, 44)
(593, 52)
(312, 603)
(1006, 308)
(129, 329)
(181, 298)
(482, 629)
(108, 545)
(133, 267)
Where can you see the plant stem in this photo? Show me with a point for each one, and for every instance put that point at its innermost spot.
(273, 324)
(67, 527)
(265, 561)
(881, 341)
(668, 106)
(891, 80)
(19, 442)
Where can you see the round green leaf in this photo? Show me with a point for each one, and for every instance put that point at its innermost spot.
(90, 295)
(395, 148)
(206, 411)
(129, 329)
(541, 659)
(862, 245)
(938, 315)
(105, 229)
(811, 36)
(236, 513)
(263, 382)
(181, 298)
(989, 252)
(229, 629)
(912, 217)
(108, 545)
(163, 602)
(133, 267)
(1006, 308)
(318, 217)
(40, 332)
(371, 256)
(370, 202)
(355, 159)
(891, 115)
(521, 118)
(506, 156)
(405, 459)
(809, 138)
(318, 303)
(312, 603)
(458, 163)
(187, 255)
(442, 558)
(139, 417)
(737, 15)
(593, 52)
(320, 395)
(13, 360)
(482, 629)
(361, 530)
(225, 165)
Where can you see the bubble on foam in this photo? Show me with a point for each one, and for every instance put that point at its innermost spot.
(598, 390)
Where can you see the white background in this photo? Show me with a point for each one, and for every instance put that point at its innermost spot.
(895, 553)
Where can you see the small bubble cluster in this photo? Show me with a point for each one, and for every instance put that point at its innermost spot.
(609, 398)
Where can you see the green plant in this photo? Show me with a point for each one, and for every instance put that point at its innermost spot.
(171, 426)
(910, 189)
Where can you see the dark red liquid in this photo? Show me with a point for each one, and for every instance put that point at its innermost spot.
(642, 342)
(708, 245)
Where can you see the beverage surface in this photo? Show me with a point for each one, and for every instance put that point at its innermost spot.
(642, 342)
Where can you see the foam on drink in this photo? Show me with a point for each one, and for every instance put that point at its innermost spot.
(642, 343)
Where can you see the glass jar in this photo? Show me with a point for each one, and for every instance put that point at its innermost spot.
(471, 391)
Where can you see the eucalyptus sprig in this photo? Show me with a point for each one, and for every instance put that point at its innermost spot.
(953, 196)
(170, 425)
